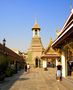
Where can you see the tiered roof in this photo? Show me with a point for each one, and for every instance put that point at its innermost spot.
(35, 26)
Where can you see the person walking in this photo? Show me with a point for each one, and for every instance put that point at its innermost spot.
(70, 68)
(59, 72)
(28, 67)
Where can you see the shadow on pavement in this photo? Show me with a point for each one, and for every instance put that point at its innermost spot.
(22, 79)
(8, 82)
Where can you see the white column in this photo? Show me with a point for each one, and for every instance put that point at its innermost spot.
(44, 63)
(38, 33)
(33, 33)
(56, 61)
(64, 65)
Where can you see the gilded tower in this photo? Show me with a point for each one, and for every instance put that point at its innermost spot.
(36, 48)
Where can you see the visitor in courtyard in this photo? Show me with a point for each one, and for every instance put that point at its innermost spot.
(59, 72)
(28, 67)
(70, 69)
(53, 65)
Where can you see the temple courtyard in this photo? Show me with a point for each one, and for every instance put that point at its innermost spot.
(37, 79)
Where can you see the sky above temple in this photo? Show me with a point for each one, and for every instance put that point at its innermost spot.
(18, 16)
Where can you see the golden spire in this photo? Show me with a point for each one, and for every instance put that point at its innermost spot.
(50, 41)
(57, 32)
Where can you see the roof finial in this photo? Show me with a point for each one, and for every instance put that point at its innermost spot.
(71, 9)
(71, 5)
(35, 20)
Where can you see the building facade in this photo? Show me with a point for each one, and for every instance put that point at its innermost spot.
(64, 44)
(50, 57)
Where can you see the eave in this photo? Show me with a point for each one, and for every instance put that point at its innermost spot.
(63, 37)
(65, 33)
(50, 56)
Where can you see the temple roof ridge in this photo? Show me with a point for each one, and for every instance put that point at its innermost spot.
(67, 21)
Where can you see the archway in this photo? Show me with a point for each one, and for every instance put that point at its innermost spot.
(37, 62)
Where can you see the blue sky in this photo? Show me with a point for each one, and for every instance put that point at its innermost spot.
(18, 16)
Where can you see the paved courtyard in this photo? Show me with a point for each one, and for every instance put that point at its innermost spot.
(36, 79)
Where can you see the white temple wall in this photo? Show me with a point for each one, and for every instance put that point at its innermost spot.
(64, 64)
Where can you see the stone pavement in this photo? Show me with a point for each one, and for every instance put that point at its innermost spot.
(37, 79)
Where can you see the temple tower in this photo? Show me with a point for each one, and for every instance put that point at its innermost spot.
(36, 48)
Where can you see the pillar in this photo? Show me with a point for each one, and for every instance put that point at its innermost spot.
(56, 61)
(33, 33)
(15, 64)
(38, 33)
(45, 64)
(64, 64)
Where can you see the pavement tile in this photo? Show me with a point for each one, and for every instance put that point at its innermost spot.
(36, 79)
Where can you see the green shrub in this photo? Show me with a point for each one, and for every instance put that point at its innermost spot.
(3, 66)
(2, 76)
(8, 72)
(3, 63)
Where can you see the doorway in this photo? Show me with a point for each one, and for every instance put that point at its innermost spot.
(37, 62)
